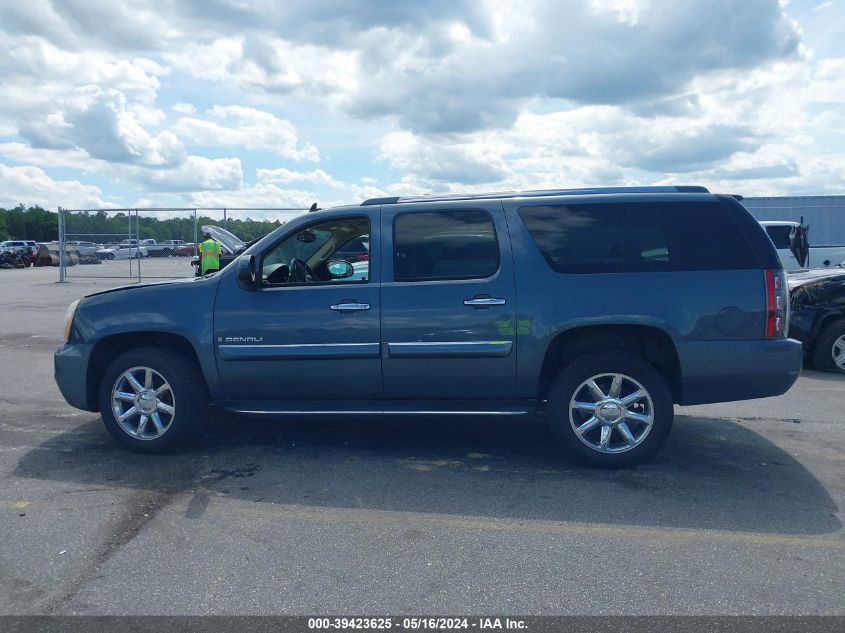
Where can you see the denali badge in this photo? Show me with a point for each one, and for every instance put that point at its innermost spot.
(242, 339)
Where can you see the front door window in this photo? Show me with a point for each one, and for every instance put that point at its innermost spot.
(324, 253)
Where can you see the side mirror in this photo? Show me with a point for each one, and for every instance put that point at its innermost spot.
(247, 271)
(339, 269)
(307, 237)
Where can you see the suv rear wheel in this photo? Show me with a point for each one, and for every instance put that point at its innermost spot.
(152, 400)
(610, 409)
(829, 350)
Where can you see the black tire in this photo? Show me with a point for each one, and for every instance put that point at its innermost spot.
(189, 398)
(569, 383)
(822, 354)
(109, 255)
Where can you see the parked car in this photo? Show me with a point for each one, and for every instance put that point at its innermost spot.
(85, 248)
(27, 249)
(155, 249)
(165, 248)
(20, 246)
(356, 250)
(817, 319)
(187, 249)
(783, 235)
(599, 308)
(122, 251)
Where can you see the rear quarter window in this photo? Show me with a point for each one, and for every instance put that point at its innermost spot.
(638, 237)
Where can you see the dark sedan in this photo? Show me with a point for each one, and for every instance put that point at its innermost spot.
(818, 317)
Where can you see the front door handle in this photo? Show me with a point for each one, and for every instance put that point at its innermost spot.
(350, 307)
(484, 301)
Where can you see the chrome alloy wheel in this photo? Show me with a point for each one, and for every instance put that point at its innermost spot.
(837, 351)
(611, 413)
(143, 403)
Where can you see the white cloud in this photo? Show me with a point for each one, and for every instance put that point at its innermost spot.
(780, 126)
(238, 126)
(267, 64)
(282, 175)
(196, 173)
(463, 94)
(353, 193)
(470, 163)
(262, 195)
(188, 109)
(456, 72)
(192, 174)
(70, 159)
(31, 62)
(30, 185)
(100, 123)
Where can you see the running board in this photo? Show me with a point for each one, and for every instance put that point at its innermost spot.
(328, 408)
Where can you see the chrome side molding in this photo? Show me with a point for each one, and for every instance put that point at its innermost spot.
(450, 349)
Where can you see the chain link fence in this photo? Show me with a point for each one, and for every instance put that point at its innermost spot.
(151, 243)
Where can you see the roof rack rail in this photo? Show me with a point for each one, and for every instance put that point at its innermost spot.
(388, 200)
(536, 193)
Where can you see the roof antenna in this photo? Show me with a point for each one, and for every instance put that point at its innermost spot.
(313, 208)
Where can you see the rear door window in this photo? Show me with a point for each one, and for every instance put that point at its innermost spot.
(436, 245)
(637, 237)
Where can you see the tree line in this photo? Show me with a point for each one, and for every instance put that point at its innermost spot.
(41, 225)
(34, 223)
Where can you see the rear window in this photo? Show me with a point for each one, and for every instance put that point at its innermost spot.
(779, 235)
(638, 237)
(430, 245)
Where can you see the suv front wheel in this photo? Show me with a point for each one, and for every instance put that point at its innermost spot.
(610, 409)
(152, 400)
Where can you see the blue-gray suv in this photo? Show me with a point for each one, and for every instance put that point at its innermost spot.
(598, 307)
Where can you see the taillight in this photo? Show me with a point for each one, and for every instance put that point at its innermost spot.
(777, 304)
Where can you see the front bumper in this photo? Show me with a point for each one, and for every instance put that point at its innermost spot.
(71, 372)
(724, 371)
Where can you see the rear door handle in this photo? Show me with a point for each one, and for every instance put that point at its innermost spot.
(350, 307)
(484, 301)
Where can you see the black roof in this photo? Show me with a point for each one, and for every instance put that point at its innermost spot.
(534, 194)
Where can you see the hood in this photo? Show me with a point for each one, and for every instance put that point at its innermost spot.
(804, 277)
(818, 290)
(227, 240)
(164, 282)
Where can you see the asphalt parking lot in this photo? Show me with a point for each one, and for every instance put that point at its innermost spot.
(739, 514)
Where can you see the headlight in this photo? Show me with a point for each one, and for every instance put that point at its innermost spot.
(71, 310)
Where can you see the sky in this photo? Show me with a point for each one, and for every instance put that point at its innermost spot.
(261, 103)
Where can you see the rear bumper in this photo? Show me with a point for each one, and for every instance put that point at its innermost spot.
(723, 371)
(71, 372)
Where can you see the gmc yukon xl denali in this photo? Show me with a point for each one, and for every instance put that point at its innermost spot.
(598, 307)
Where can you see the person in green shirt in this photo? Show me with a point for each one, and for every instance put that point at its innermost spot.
(209, 253)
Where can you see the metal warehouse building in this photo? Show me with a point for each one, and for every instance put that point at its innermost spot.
(825, 215)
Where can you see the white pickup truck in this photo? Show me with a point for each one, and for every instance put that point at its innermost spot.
(818, 256)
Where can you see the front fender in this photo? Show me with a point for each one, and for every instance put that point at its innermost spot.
(181, 309)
